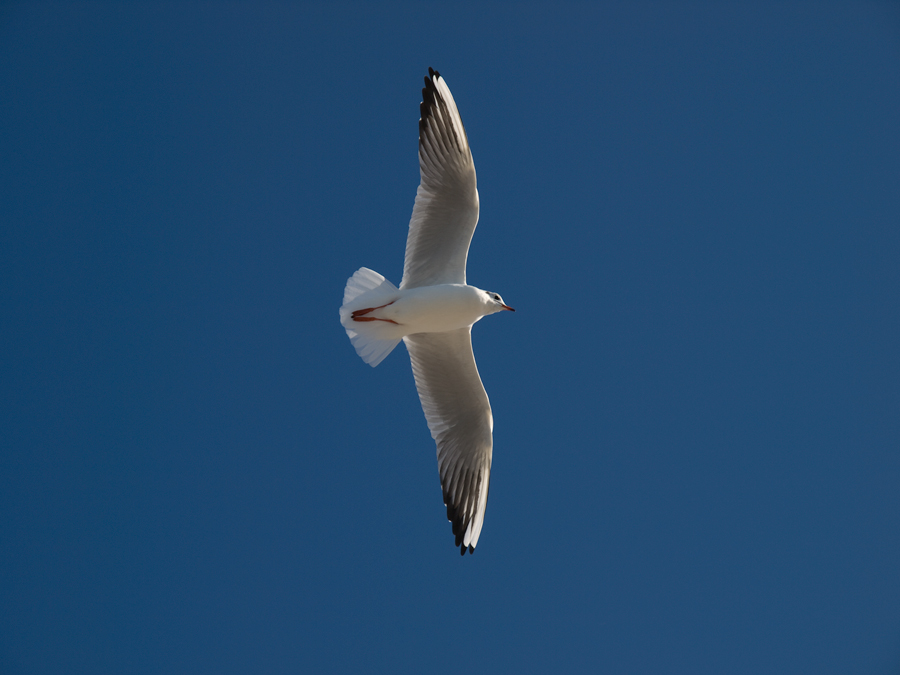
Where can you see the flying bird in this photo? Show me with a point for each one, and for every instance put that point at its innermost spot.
(433, 312)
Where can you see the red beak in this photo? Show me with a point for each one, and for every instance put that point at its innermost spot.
(507, 307)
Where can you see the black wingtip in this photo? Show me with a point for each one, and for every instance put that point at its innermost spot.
(446, 133)
(428, 101)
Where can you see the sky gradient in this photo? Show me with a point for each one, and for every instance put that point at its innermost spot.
(694, 209)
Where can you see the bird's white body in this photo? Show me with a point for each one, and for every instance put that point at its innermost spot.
(427, 309)
(433, 312)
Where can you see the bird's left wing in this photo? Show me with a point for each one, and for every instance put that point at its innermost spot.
(446, 210)
(459, 417)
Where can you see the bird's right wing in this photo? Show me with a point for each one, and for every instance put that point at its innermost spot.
(459, 417)
(446, 210)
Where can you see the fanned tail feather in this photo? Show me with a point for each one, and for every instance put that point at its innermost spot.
(373, 340)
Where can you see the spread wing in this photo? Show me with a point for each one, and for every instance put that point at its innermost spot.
(459, 417)
(446, 209)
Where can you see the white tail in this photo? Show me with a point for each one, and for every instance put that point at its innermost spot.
(373, 340)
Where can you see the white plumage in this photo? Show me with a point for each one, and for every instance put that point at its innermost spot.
(433, 312)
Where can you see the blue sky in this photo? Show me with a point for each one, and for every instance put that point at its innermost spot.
(694, 209)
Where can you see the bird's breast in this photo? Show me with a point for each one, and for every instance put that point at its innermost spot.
(435, 309)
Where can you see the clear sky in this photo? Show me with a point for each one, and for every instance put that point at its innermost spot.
(694, 209)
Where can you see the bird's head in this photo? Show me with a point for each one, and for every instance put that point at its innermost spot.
(495, 302)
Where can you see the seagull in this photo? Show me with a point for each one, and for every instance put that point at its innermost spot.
(433, 312)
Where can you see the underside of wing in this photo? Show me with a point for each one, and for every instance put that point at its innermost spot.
(446, 210)
(459, 417)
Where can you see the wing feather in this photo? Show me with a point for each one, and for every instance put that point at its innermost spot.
(459, 416)
(446, 209)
